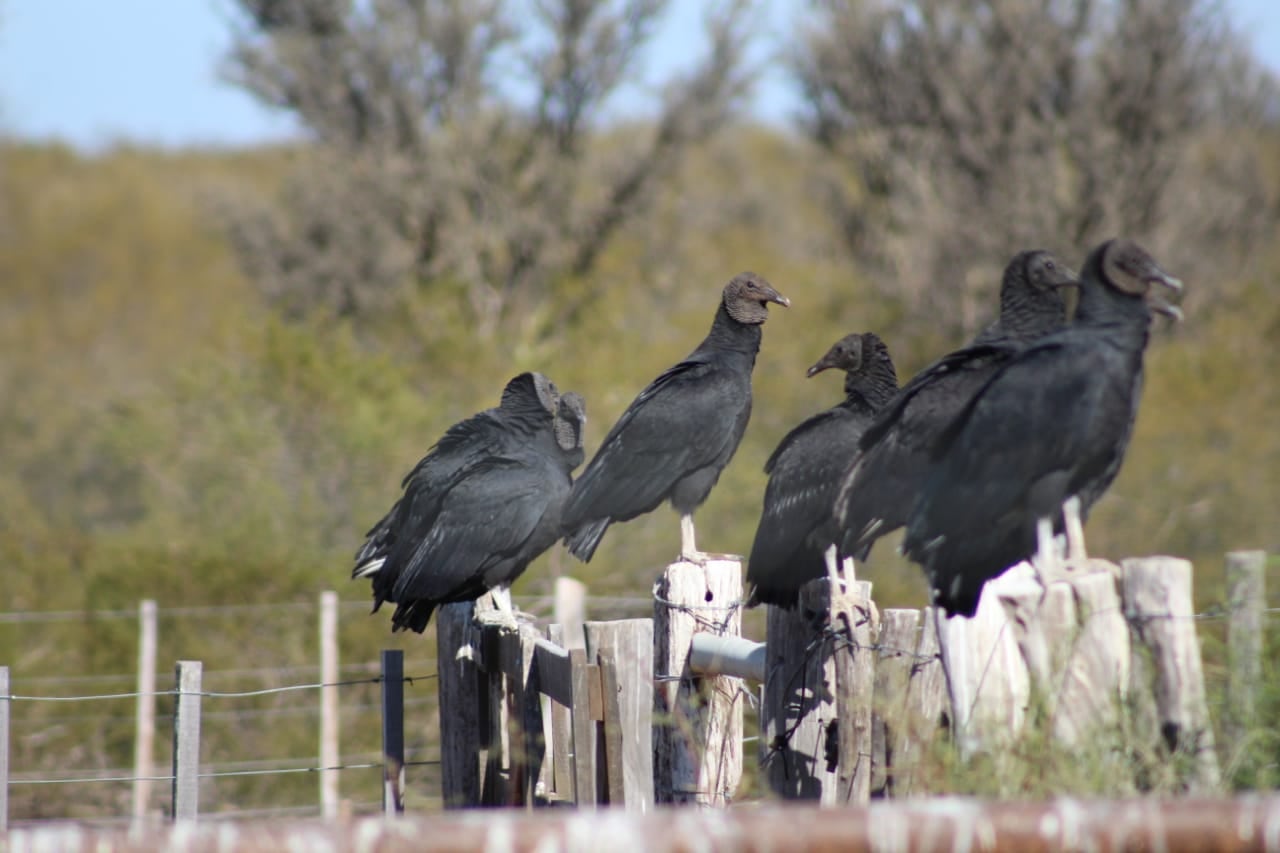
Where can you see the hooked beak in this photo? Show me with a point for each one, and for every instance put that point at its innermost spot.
(1157, 301)
(819, 366)
(780, 299)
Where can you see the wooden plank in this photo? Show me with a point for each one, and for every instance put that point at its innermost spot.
(329, 755)
(1246, 600)
(896, 650)
(495, 735)
(584, 747)
(459, 685)
(570, 611)
(632, 643)
(1157, 600)
(855, 689)
(697, 721)
(186, 741)
(526, 745)
(798, 708)
(561, 718)
(614, 789)
(145, 722)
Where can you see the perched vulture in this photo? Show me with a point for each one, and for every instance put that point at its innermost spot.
(481, 505)
(1049, 428)
(794, 540)
(674, 439)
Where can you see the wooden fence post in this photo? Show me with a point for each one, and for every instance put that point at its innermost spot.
(570, 611)
(392, 731)
(462, 697)
(855, 692)
(798, 707)
(329, 756)
(186, 741)
(926, 705)
(631, 645)
(5, 703)
(526, 744)
(1157, 602)
(697, 721)
(899, 638)
(561, 726)
(145, 736)
(1246, 600)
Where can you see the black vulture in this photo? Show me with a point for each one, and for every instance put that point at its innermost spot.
(884, 477)
(479, 507)
(793, 541)
(1051, 425)
(674, 439)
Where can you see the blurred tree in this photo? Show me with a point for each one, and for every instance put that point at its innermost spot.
(974, 128)
(452, 143)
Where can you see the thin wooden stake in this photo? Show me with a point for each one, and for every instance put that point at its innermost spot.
(5, 703)
(570, 611)
(145, 733)
(186, 741)
(393, 731)
(329, 757)
(1246, 596)
(630, 643)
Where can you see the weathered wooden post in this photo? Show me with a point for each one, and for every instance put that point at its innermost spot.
(927, 705)
(1157, 603)
(815, 719)
(525, 728)
(570, 610)
(463, 696)
(899, 637)
(186, 741)
(145, 737)
(629, 646)
(697, 748)
(1246, 600)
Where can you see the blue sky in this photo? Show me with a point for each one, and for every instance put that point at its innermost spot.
(93, 72)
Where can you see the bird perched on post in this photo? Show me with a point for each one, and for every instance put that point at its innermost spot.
(676, 437)
(886, 473)
(794, 540)
(1049, 428)
(482, 505)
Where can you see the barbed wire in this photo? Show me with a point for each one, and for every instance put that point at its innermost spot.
(214, 694)
(229, 769)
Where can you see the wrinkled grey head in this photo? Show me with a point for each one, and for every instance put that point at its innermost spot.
(530, 392)
(746, 297)
(571, 420)
(845, 354)
(1031, 300)
(1126, 267)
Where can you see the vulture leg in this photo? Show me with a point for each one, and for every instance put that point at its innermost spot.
(1046, 564)
(1076, 553)
(688, 547)
(841, 575)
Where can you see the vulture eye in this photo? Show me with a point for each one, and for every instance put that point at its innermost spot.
(1048, 265)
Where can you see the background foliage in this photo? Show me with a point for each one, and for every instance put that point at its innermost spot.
(208, 397)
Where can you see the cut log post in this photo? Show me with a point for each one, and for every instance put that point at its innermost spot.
(798, 708)
(927, 709)
(630, 642)
(1157, 602)
(571, 611)
(995, 684)
(463, 696)
(697, 721)
(144, 740)
(186, 740)
(1246, 600)
(899, 637)
(855, 691)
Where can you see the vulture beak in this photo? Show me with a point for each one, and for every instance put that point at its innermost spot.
(1156, 298)
(1069, 278)
(775, 296)
(819, 366)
